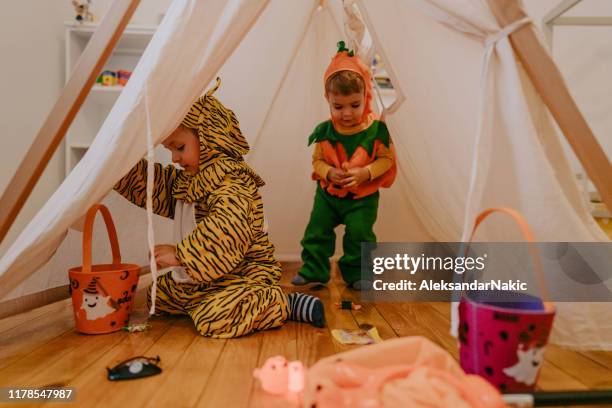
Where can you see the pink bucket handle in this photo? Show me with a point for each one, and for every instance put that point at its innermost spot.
(527, 234)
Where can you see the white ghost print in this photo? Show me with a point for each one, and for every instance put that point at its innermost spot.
(96, 306)
(529, 362)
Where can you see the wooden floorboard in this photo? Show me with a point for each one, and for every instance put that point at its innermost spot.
(231, 384)
(13, 322)
(40, 347)
(25, 338)
(190, 375)
(277, 342)
(91, 384)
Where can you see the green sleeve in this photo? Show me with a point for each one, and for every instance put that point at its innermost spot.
(320, 133)
(383, 134)
(133, 186)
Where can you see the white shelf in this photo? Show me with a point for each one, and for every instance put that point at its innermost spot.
(80, 146)
(134, 38)
(89, 27)
(107, 89)
(100, 100)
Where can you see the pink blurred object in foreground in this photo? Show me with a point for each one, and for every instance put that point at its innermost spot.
(409, 371)
(279, 377)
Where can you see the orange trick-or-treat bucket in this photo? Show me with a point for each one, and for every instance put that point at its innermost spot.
(102, 295)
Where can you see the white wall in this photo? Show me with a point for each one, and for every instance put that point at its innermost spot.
(32, 72)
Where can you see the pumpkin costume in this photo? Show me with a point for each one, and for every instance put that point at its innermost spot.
(229, 282)
(366, 145)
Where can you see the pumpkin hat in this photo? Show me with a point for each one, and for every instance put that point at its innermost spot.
(346, 60)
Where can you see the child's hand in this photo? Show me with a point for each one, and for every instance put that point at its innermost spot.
(356, 176)
(165, 256)
(336, 176)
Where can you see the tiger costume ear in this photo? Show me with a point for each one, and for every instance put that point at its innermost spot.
(212, 90)
(217, 126)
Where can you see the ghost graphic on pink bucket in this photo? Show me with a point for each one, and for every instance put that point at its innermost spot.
(528, 364)
(504, 345)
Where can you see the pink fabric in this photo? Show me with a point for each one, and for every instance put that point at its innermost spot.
(409, 371)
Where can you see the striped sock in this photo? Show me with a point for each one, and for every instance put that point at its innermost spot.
(306, 308)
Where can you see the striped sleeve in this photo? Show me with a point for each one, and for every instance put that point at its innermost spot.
(133, 186)
(222, 238)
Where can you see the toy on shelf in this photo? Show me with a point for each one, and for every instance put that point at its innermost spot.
(112, 78)
(108, 78)
(81, 8)
(380, 74)
(123, 76)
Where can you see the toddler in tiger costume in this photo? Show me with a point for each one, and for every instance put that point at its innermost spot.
(224, 274)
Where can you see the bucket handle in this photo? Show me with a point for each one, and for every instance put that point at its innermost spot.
(527, 234)
(88, 232)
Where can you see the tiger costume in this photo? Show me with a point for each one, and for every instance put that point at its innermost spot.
(230, 285)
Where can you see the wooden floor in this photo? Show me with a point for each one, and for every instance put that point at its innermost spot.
(40, 347)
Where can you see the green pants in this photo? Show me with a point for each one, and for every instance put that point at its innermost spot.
(319, 242)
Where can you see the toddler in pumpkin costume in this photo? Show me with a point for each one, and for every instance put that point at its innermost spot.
(352, 159)
(223, 271)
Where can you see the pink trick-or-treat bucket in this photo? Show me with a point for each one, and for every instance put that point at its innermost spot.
(504, 342)
(102, 295)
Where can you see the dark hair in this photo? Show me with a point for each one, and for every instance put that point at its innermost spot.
(344, 83)
(192, 130)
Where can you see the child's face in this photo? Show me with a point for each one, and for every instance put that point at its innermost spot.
(185, 148)
(346, 109)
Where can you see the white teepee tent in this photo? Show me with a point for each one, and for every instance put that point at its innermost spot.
(469, 128)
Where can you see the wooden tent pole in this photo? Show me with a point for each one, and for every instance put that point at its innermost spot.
(65, 109)
(549, 83)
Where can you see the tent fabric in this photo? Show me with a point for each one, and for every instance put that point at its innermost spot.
(433, 50)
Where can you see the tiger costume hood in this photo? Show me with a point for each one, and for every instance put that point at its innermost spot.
(222, 147)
